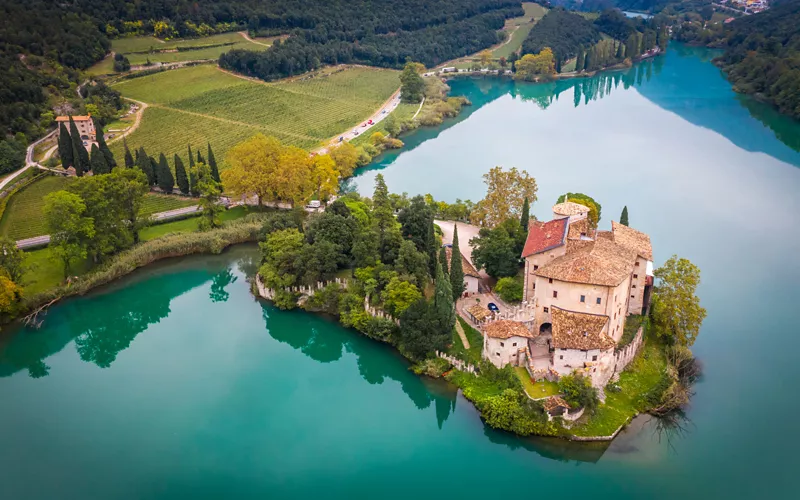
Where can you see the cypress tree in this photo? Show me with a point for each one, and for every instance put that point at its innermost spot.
(443, 301)
(128, 158)
(623, 219)
(180, 175)
(580, 60)
(456, 268)
(200, 158)
(589, 59)
(154, 166)
(165, 180)
(191, 157)
(98, 161)
(443, 260)
(101, 144)
(212, 164)
(620, 51)
(525, 218)
(80, 157)
(143, 162)
(64, 146)
(430, 244)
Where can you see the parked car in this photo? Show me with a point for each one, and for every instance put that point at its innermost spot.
(313, 204)
(341, 138)
(493, 307)
(370, 122)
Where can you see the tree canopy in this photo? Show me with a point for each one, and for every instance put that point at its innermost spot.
(506, 192)
(675, 309)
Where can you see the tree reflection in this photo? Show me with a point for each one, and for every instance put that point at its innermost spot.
(218, 284)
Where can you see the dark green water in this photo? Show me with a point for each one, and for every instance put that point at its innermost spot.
(176, 383)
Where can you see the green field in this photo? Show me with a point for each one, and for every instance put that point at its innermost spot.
(200, 104)
(24, 216)
(519, 28)
(167, 52)
(188, 225)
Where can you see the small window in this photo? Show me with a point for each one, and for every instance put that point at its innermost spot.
(594, 358)
(633, 296)
(583, 298)
(615, 317)
(550, 280)
(502, 344)
(583, 235)
(535, 267)
(555, 294)
(598, 300)
(561, 357)
(635, 276)
(497, 353)
(563, 349)
(634, 286)
(514, 344)
(546, 309)
(637, 264)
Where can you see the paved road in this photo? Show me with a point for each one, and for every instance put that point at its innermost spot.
(376, 118)
(28, 161)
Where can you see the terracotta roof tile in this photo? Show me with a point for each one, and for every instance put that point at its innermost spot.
(574, 330)
(505, 328)
(570, 208)
(633, 239)
(479, 312)
(544, 236)
(76, 118)
(555, 402)
(469, 269)
(600, 262)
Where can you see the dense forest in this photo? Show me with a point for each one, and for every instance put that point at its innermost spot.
(762, 55)
(564, 32)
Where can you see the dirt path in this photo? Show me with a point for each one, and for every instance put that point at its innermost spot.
(462, 335)
(419, 108)
(247, 37)
(137, 120)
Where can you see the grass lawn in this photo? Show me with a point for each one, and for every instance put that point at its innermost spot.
(159, 51)
(154, 203)
(201, 103)
(475, 338)
(641, 376)
(188, 225)
(44, 271)
(23, 216)
(535, 390)
(519, 28)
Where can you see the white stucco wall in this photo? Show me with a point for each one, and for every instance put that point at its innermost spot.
(533, 262)
(566, 361)
(471, 283)
(503, 351)
(638, 280)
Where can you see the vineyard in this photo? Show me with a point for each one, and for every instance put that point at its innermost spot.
(203, 104)
(140, 49)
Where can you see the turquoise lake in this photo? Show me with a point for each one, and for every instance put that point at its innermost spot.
(176, 383)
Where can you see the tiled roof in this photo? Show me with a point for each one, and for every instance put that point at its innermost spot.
(479, 312)
(633, 239)
(469, 269)
(574, 330)
(570, 208)
(555, 402)
(77, 118)
(544, 236)
(505, 328)
(600, 262)
(578, 228)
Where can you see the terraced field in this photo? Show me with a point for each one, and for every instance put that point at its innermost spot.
(140, 49)
(203, 104)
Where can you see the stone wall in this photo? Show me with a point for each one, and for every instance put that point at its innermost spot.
(623, 357)
(457, 363)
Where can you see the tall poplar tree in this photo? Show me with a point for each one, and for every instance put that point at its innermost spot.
(144, 164)
(129, 163)
(180, 175)
(443, 260)
(526, 214)
(64, 146)
(623, 219)
(80, 157)
(165, 180)
(98, 161)
(456, 267)
(620, 52)
(101, 144)
(212, 164)
(580, 60)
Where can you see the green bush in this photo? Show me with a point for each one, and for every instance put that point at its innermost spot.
(432, 367)
(510, 289)
(578, 391)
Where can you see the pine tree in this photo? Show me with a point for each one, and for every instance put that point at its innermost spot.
(180, 175)
(98, 161)
(580, 60)
(623, 219)
(443, 260)
(101, 144)
(80, 157)
(143, 162)
(128, 158)
(212, 164)
(525, 218)
(456, 268)
(443, 304)
(64, 146)
(165, 180)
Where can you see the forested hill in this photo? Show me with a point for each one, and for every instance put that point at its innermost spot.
(564, 32)
(763, 55)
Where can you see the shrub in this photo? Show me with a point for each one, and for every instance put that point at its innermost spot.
(510, 289)
(578, 391)
(432, 367)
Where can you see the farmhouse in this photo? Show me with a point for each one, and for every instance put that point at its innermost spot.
(471, 277)
(582, 284)
(85, 126)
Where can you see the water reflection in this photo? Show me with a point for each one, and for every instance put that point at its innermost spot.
(218, 284)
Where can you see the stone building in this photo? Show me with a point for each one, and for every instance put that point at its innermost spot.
(471, 277)
(505, 342)
(85, 126)
(582, 285)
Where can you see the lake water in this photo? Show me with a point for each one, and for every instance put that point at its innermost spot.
(177, 383)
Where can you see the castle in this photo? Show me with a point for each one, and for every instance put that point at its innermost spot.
(580, 286)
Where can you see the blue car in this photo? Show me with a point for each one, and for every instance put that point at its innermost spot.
(493, 307)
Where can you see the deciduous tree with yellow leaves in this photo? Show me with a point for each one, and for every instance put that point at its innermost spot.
(532, 66)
